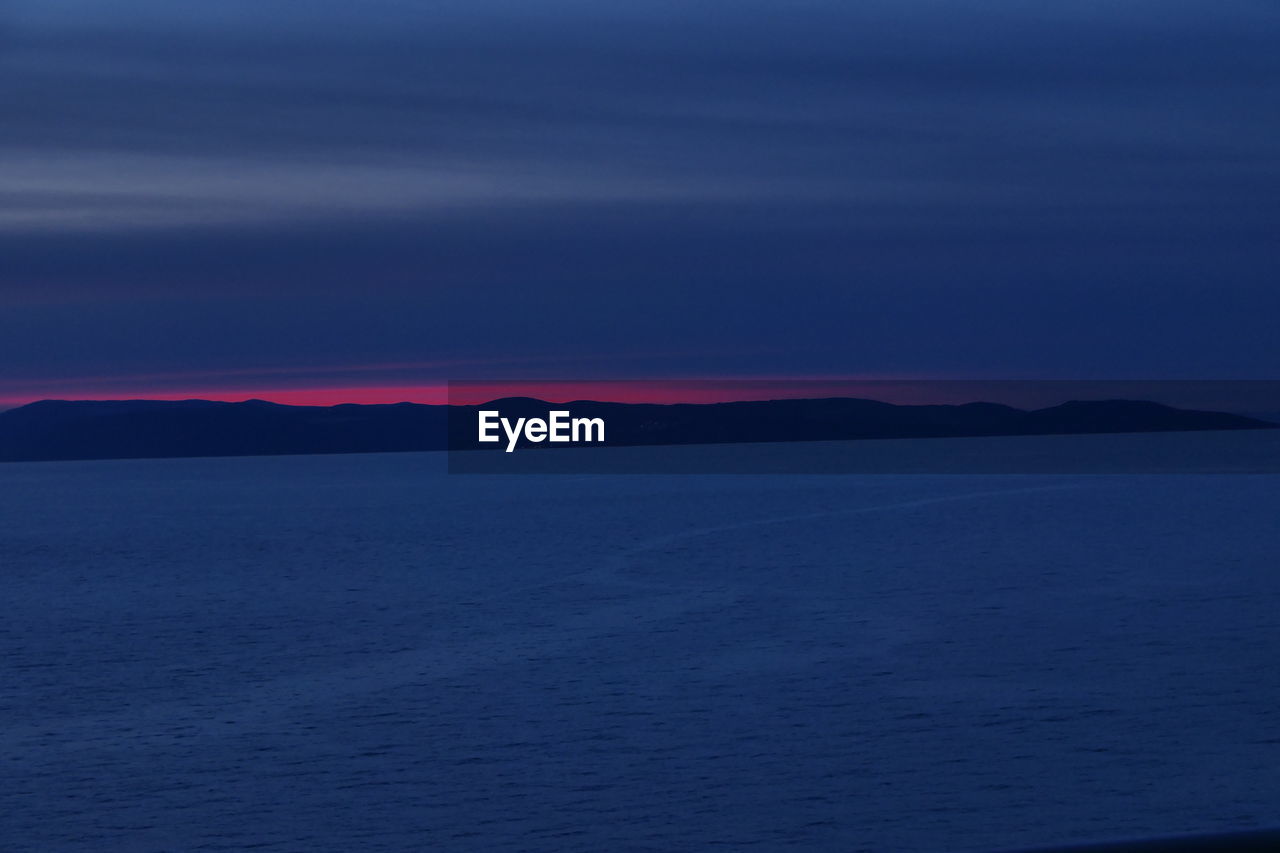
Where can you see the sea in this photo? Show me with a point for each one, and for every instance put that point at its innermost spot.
(367, 653)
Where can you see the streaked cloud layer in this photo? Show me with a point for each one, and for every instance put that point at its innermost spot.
(1000, 187)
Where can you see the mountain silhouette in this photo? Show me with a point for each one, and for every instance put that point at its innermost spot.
(117, 429)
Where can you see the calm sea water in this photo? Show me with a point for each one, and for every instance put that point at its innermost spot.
(363, 653)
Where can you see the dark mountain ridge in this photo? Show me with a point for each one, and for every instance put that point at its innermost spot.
(116, 429)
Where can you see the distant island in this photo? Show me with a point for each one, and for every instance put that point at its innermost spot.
(130, 429)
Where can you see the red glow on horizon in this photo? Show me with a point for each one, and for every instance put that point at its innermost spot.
(473, 392)
(665, 391)
(908, 391)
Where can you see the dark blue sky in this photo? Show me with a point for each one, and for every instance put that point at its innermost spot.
(267, 195)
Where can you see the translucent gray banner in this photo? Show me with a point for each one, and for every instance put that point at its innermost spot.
(865, 427)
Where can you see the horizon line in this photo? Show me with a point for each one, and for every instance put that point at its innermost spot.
(1210, 395)
(1261, 416)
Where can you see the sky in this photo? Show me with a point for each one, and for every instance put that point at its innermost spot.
(357, 202)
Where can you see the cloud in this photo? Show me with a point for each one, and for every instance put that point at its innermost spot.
(259, 112)
(236, 184)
